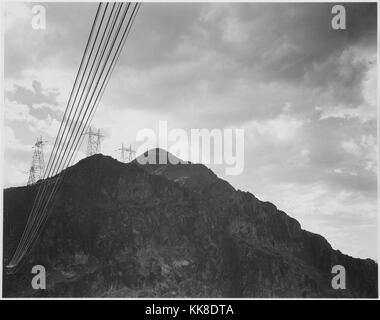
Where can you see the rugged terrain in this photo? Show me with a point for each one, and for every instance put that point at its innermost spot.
(131, 230)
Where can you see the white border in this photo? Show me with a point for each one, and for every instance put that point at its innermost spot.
(2, 11)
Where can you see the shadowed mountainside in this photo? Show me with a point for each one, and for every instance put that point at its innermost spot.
(131, 230)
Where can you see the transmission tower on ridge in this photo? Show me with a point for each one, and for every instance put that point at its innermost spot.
(37, 168)
(94, 139)
(126, 154)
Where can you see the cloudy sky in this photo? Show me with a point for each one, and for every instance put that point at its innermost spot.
(305, 95)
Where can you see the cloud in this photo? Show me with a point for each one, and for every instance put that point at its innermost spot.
(36, 95)
(282, 127)
(17, 112)
(15, 15)
(363, 148)
(11, 142)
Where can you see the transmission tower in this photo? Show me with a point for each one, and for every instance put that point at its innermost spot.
(37, 168)
(94, 138)
(126, 154)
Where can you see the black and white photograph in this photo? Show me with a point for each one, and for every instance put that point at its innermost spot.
(189, 150)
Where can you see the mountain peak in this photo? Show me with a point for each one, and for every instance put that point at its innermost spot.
(159, 156)
(196, 175)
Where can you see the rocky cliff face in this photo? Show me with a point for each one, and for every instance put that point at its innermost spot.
(131, 230)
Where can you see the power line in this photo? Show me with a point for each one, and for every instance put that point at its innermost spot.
(106, 79)
(126, 32)
(59, 137)
(76, 129)
(32, 232)
(56, 166)
(47, 189)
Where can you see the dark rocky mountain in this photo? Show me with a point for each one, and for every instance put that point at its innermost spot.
(132, 230)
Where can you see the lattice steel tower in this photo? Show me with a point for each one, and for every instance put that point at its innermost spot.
(37, 168)
(126, 154)
(94, 139)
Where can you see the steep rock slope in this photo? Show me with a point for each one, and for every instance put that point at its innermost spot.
(134, 230)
